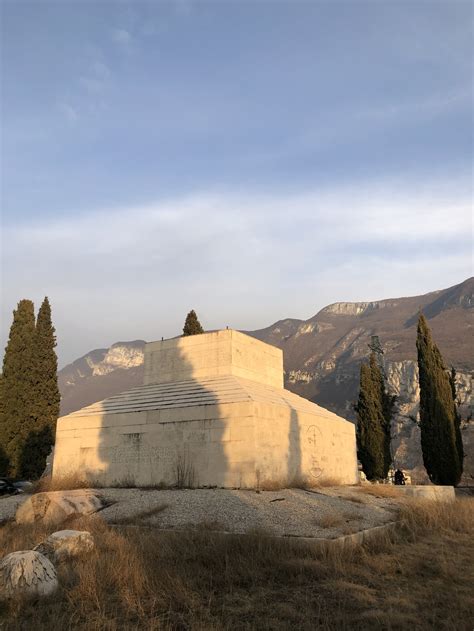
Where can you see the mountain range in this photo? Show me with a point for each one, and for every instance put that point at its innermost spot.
(323, 354)
(322, 358)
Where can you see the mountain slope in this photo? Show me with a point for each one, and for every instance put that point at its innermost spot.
(323, 354)
(101, 374)
(322, 358)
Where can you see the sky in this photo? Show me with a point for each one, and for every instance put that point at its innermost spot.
(253, 160)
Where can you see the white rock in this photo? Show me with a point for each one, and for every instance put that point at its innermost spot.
(56, 506)
(27, 573)
(65, 544)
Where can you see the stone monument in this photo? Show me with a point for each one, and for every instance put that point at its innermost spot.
(212, 412)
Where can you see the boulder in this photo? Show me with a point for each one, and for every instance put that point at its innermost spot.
(55, 506)
(27, 573)
(65, 544)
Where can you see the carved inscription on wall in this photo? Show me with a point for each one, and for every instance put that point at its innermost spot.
(134, 451)
(313, 438)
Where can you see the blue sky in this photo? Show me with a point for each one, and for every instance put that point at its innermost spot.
(251, 160)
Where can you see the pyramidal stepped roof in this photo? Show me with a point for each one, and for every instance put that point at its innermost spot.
(212, 391)
(209, 369)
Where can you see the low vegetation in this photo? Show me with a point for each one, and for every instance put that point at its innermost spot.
(379, 490)
(330, 520)
(419, 577)
(297, 482)
(184, 479)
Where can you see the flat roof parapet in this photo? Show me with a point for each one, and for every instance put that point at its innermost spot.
(215, 354)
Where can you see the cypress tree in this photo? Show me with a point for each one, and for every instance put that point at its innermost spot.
(387, 404)
(192, 326)
(441, 450)
(45, 402)
(457, 417)
(4, 461)
(18, 385)
(373, 411)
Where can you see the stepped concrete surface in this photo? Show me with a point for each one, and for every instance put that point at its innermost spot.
(429, 492)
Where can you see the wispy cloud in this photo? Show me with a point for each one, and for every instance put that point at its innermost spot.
(96, 78)
(243, 260)
(415, 108)
(183, 8)
(69, 112)
(101, 70)
(121, 36)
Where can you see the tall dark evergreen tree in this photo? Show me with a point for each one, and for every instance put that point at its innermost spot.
(18, 384)
(192, 326)
(387, 402)
(441, 450)
(4, 461)
(373, 409)
(457, 417)
(46, 395)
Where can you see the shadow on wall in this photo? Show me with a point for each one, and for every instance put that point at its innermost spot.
(294, 449)
(180, 444)
(305, 438)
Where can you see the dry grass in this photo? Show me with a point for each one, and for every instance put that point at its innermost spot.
(283, 483)
(430, 516)
(340, 520)
(379, 490)
(417, 578)
(330, 520)
(353, 498)
(71, 482)
(325, 482)
(64, 483)
(299, 482)
(185, 478)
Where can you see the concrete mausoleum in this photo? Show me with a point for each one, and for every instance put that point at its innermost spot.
(212, 412)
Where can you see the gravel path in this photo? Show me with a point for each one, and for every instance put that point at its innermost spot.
(326, 513)
(290, 512)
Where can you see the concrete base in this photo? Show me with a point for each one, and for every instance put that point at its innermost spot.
(429, 492)
(316, 543)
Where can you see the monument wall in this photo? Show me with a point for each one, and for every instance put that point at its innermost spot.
(212, 412)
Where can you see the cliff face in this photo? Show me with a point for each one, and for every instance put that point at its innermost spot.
(100, 374)
(402, 378)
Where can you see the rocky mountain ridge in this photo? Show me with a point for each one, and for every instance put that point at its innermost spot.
(100, 374)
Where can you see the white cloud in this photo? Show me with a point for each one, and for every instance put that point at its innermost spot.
(121, 36)
(241, 260)
(96, 79)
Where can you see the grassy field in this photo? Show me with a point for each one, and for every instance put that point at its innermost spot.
(421, 577)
